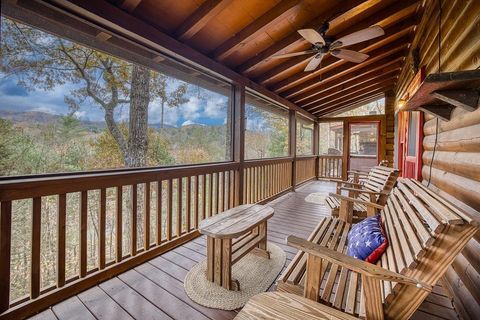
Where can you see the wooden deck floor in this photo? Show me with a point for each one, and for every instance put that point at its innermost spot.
(154, 290)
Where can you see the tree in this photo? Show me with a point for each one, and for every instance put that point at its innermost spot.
(43, 61)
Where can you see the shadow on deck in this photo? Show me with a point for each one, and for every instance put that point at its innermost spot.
(154, 290)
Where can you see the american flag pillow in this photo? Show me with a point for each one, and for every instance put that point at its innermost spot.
(367, 240)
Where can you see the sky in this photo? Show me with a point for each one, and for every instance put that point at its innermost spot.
(14, 97)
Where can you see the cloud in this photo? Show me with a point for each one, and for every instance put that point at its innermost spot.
(215, 108)
(190, 110)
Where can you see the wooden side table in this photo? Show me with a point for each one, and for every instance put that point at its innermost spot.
(230, 236)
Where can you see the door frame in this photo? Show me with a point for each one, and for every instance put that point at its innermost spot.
(382, 141)
(353, 122)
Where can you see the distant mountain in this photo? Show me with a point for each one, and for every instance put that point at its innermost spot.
(39, 117)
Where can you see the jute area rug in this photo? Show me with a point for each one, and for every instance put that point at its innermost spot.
(317, 197)
(255, 274)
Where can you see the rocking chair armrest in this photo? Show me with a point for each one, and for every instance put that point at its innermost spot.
(366, 203)
(361, 173)
(355, 265)
(363, 191)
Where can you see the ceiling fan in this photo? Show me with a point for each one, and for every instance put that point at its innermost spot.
(323, 44)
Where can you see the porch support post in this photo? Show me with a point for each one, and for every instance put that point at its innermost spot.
(316, 130)
(292, 145)
(346, 148)
(239, 138)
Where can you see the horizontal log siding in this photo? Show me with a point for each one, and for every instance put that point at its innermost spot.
(456, 167)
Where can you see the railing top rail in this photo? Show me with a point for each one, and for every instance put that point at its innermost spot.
(38, 186)
(260, 162)
(306, 157)
(330, 156)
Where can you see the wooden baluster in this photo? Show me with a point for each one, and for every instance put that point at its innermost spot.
(61, 230)
(133, 221)
(233, 184)
(179, 206)
(83, 232)
(210, 195)
(246, 186)
(221, 189)
(169, 209)
(146, 216)
(188, 203)
(119, 226)
(5, 247)
(217, 192)
(197, 198)
(159, 211)
(204, 196)
(36, 244)
(102, 216)
(227, 188)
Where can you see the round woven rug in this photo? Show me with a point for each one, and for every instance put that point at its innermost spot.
(317, 197)
(255, 274)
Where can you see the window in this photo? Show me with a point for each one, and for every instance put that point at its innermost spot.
(266, 129)
(372, 108)
(304, 136)
(67, 107)
(412, 134)
(331, 138)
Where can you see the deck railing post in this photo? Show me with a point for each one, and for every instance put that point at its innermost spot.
(239, 139)
(316, 129)
(292, 145)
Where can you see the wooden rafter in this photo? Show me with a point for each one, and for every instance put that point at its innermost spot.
(353, 92)
(396, 50)
(197, 20)
(301, 84)
(342, 104)
(382, 18)
(130, 5)
(353, 105)
(350, 79)
(247, 33)
(294, 39)
(341, 91)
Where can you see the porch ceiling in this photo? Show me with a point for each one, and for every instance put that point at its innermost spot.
(245, 34)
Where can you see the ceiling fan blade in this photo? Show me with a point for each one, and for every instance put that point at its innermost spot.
(293, 54)
(359, 36)
(312, 36)
(314, 62)
(350, 55)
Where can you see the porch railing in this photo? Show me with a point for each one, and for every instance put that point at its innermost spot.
(120, 219)
(305, 168)
(330, 166)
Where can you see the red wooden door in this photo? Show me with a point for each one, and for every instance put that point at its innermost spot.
(411, 144)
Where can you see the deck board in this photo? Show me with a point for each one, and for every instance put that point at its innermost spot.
(154, 290)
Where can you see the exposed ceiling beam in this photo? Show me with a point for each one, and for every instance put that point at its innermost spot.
(279, 11)
(130, 5)
(301, 82)
(294, 39)
(356, 104)
(198, 19)
(385, 18)
(350, 79)
(380, 56)
(356, 91)
(330, 108)
(334, 93)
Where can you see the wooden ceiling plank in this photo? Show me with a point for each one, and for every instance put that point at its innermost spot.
(351, 106)
(350, 79)
(380, 75)
(294, 39)
(130, 5)
(354, 92)
(248, 33)
(198, 19)
(393, 51)
(386, 17)
(330, 108)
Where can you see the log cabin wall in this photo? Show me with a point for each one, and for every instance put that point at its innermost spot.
(456, 167)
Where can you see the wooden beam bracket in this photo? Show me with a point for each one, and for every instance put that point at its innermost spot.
(443, 111)
(464, 98)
